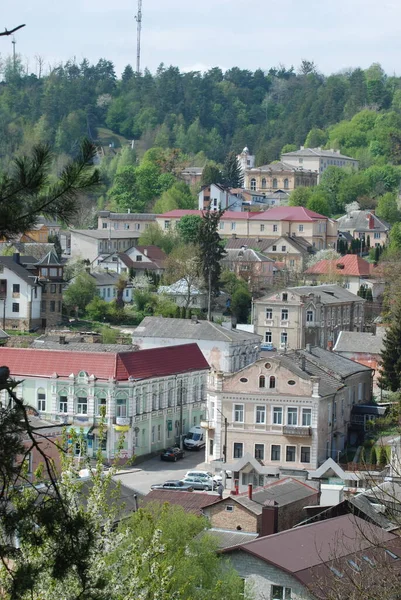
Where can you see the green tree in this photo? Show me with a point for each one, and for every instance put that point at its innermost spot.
(211, 252)
(373, 456)
(183, 265)
(241, 301)
(154, 236)
(188, 228)
(395, 238)
(177, 196)
(318, 203)
(390, 373)
(97, 309)
(211, 174)
(54, 239)
(383, 456)
(316, 138)
(80, 292)
(300, 196)
(387, 208)
(232, 172)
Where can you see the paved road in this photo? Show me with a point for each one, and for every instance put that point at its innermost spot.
(158, 471)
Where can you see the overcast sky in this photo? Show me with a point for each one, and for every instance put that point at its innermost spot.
(199, 34)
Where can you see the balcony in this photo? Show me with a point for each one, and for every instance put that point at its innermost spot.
(297, 431)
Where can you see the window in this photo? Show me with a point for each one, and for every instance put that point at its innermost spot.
(300, 228)
(44, 271)
(309, 316)
(306, 417)
(292, 416)
(280, 593)
(277, 415)
(272, 382)
(290, 453)
(53, 272)
(305, 454)
(275, 227)
(262, 227)
(43, 305)
(159, 433)
(286, 186)
(261, 415)
(15, 307)
(284, 338)
(53, 288)
(41, 400)
(269, 313)
(63, 404)
(153, 433)
(253, 184)
(263, 183)
(274, 183)
(284, 314)
(260, 451)
(15, 288)
(121, 407)
(274, 248)
(138, 258)
(283, 248)
(354, 565)
(221, 225)
(104, 225)
(275, 453)
(238, 449)
(268, 337)
(101, 407)
(233, 226)
(336, 572)
(82, 406)
(285, 297)
(166, 224)
(230, 508)
(238, 413)
(377, 235)
(52, 306)
(262, 381)
(211, 447)
(292, 262)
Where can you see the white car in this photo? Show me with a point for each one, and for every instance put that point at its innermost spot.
(206, 475)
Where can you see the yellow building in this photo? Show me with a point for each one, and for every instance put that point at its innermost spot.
(279, 176)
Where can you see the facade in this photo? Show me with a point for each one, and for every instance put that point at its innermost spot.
(246, 160)
(216, 196)
(293, 252)
(279, 176)
(288, 411)
(363, 223)
(93, 244)
(51, 276)
(296, 316)
(318, 160)
(136, 260)
(252, 266)
(138, 222)
(226, 350)
(150, 398)
(106, 286)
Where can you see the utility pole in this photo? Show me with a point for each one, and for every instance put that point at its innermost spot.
(181, 409)
(138, 18)
(225, 440)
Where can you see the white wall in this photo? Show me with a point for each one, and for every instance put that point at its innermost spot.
(25, 296)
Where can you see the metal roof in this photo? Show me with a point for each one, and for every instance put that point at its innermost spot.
(329, 294)
(190, 501)
(127, 216)
(360, 220)
(106, 234)
(360, 342)
(318, 152)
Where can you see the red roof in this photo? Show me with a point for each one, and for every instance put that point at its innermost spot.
(277, 213)
(228, 214)
(153, 253)
(190, 501)
(348, 265)
(143, 364)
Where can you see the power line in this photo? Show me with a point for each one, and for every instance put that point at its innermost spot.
(138, 18)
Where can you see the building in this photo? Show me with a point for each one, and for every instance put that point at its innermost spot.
(215, 197)
(296, 316)
(252, 266)
(150, 398)
(138, 222)
(318, 160)
(190, 502)
(246, 160)
(288, 411)
(50, 272)
(192, 176)
(94, 244)
(136, 260)
(183, 293)
(106, 286)
(306, 562)
(362, 224)
(294, 252)
(279, 176)
(225, 349)
(351, 271)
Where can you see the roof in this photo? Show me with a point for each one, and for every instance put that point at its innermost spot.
(318, 152)
(333, 362)
(106, 234)
(225, 538)
(257, 243)
(18, 269)
(153, 253)
(349, 265)
(105, 278)
(127, 216)
(180, 287)
(143, 364)
(51, 258)
(361, 221)
(161, 327)
(246, 255)
(189, 501)
(276, 213)
(74, 345)
(298, 243)
(35, 249)
(360, 342)
(329, 294)
(279, 166)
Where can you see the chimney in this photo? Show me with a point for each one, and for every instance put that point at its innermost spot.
(129, 211)
(16, 258)
(330, 345)
(303, 362)
(250, 491)
(315, 386)
(62, 340)
(269, 518)
(302, 147)
(371, 221)
(234, 236)
(145, 251)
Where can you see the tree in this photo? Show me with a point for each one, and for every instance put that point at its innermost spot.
(300, 196)
(233, 176)
(183, 265)
(241, 301)
(188, 228)
(211, 252)
(318, 203)
(154, 236)
(177, 196)
(211, 174)
(97, 309)
(387, 208)
(80, 292)
(316, 138)
(373, 456)
(390, 370)
(54, 239)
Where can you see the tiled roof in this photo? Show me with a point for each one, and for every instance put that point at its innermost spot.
(329, 360)
(153, 253)
(349, 265)
(329, 294)
(256, 243)
(276, 213)
(298, 243)
(317, 152)
(190, 501)
(364, 342)
(144, 364)
(105, 278)
(246, 255)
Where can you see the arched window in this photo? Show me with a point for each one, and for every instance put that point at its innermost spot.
(63, 401)
(262, 381)
(100, 406)
(263, 183)
(41, 400)
(286, 184)
(272, 382)
(274, 183)
(253, 184)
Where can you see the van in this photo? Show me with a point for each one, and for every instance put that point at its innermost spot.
(195, 438)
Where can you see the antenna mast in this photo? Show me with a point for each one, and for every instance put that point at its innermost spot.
(138, 18)
(14, 57)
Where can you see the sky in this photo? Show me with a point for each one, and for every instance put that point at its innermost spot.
(200, 34)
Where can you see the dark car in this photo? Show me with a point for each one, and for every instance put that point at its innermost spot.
(172, 454)
(173, 485)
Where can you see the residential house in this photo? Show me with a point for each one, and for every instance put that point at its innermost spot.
(246, 160)
(50, 272)
(362, 224)
(250, 265)
(296, 316)
(151, 398)
(215, 197)
(106, 286)
(289, 410)
(93, 244)
(265, 510)
(318, 160)
(364, 348)
(307, 561)
(137, 222)
(185, 294)
(136, 260)
(192, 176)
(294, 252)
(279, 176)
(351, 271)
(225, 349)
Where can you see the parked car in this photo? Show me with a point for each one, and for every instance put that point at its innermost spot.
(173, 485)
(199, 483)
(172, 454)
(205, 475)
(268, 347)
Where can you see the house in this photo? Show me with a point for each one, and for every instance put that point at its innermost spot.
(106, 286)
(185, 294)
(50, 272)
(351, 271)
(293, 252)
(137, 222)
(289, 410)
(318, 160)
(250, 265)
(364, 224)
(151, 398)
(309, 561)
(92, 244)
(192, 176)
(338, 482)
(216, 197)
(279, 176)
(265, 510)
(36, 249)
(136, 260)
(296, 316)
(364, 348)
(225, 349)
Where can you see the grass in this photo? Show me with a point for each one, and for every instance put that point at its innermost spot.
(106, 136)
(17, 332)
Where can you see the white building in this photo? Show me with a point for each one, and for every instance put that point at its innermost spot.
(180, 291)
(93, 244)
(106, 286)
(138, 259)
(20, 295)
(316, 159)
(216, 196)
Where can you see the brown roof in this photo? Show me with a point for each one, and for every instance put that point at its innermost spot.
(348, 265)
(154, 253)
(192, 502)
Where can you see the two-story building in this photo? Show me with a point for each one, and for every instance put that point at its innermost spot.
(279, 176)
(136, 260)
(107, 286)
(149, 398)
(252, 266)
(318, 160)
(94, 244)
(138, 222)
(363, 223)
(296, 316)
(287, 411)
(216, 196)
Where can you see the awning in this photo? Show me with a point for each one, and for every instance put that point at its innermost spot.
(78, 429)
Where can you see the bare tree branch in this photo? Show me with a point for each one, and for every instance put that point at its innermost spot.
(6, 32)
